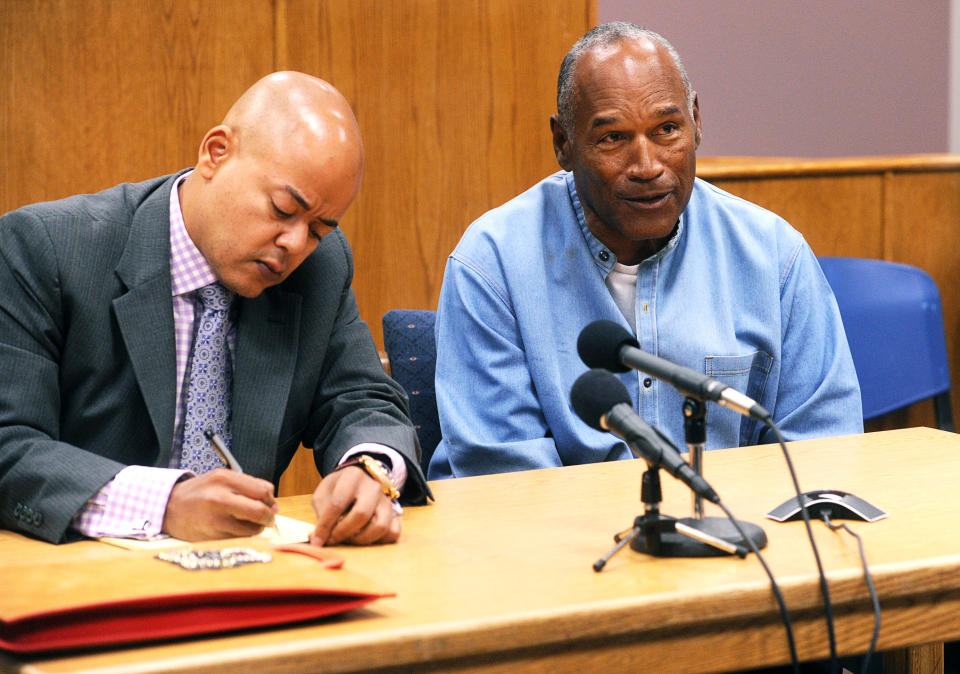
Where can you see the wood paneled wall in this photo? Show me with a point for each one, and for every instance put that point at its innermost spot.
(452, 96)
(904, 209)
(98, 92)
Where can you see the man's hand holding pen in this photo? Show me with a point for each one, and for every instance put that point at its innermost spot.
(219, 504)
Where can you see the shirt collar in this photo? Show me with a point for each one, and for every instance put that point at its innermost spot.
(188, 268)
(603, 256)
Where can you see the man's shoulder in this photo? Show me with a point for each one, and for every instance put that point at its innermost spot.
(755, 236)
(520, 221)
(710, 203)
(544, 195)
(114, 204)
(85, 226)
(709, 195)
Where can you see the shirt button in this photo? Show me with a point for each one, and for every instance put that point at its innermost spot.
(604, 255)
(648, 382)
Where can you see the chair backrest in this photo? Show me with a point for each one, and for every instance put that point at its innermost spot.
(409, 341)
(894, 323)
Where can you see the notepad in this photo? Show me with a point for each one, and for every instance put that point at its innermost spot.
(291, 531)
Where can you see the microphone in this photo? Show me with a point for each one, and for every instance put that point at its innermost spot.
(607, 345)
(602, 401)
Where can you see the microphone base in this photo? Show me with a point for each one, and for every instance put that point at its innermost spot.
(671, 543)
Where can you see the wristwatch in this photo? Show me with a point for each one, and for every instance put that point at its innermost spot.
(375, 469)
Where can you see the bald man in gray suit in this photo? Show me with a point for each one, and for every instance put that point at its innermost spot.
(91, 345)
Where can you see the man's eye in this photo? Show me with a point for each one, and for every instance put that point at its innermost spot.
(280, 213)
(667, 129)
(611, 138)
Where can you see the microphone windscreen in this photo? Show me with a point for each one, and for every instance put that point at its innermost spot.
(594, 394)
(599, 345)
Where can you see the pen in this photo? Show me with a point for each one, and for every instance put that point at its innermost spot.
(229, 460)
(216, 442)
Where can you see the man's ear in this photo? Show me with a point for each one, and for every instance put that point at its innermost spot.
(561, 143)
(697, 133)
(217, 145)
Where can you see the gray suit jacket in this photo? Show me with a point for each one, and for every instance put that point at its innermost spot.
(87, 362)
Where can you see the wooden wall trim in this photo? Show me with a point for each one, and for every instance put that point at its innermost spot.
(728, 168)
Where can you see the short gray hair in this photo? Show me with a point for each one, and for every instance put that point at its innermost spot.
(601, 36)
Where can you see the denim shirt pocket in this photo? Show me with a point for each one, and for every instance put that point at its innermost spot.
(748, 374)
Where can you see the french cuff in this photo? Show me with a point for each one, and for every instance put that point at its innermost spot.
(132, 505)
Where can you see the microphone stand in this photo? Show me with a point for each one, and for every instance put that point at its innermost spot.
(695, 435)
(663, 536)
(695, 432)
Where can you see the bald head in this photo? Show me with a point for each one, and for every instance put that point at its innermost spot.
(286, 110)
(272, 179)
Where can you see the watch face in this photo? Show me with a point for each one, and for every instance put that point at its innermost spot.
(379, 472)
(374, 465)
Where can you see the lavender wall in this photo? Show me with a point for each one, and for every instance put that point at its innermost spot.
(955, 76)
(810, 78)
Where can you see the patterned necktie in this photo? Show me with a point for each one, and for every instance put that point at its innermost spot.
(207, 399)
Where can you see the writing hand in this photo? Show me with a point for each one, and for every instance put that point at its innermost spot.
(219, 504)
(352, 508)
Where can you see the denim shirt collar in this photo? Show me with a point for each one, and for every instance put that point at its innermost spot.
(602, 256)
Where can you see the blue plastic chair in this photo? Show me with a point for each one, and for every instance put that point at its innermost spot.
(409, 341)
(894, 323)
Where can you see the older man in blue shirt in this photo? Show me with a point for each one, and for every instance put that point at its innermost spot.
(627, 233)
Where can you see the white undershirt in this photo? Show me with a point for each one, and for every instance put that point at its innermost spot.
(622, 284)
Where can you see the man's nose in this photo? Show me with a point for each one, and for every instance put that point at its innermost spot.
(294, 238)
(645, 163)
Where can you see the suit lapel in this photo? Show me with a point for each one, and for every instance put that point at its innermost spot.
(266, 350)
(268, 329)
(145, 313)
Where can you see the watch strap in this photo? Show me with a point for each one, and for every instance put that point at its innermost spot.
(375, 469)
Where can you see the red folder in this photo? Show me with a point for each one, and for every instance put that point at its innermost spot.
(126, 596)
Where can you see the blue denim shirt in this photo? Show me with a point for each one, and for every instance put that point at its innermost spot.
(736, 294)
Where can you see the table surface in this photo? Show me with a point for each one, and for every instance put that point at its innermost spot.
(498, 573)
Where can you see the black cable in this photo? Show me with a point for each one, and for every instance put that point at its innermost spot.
(870, 587)
(784, 613)
(824, 590)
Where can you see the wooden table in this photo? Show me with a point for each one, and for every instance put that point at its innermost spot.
(497, 574)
